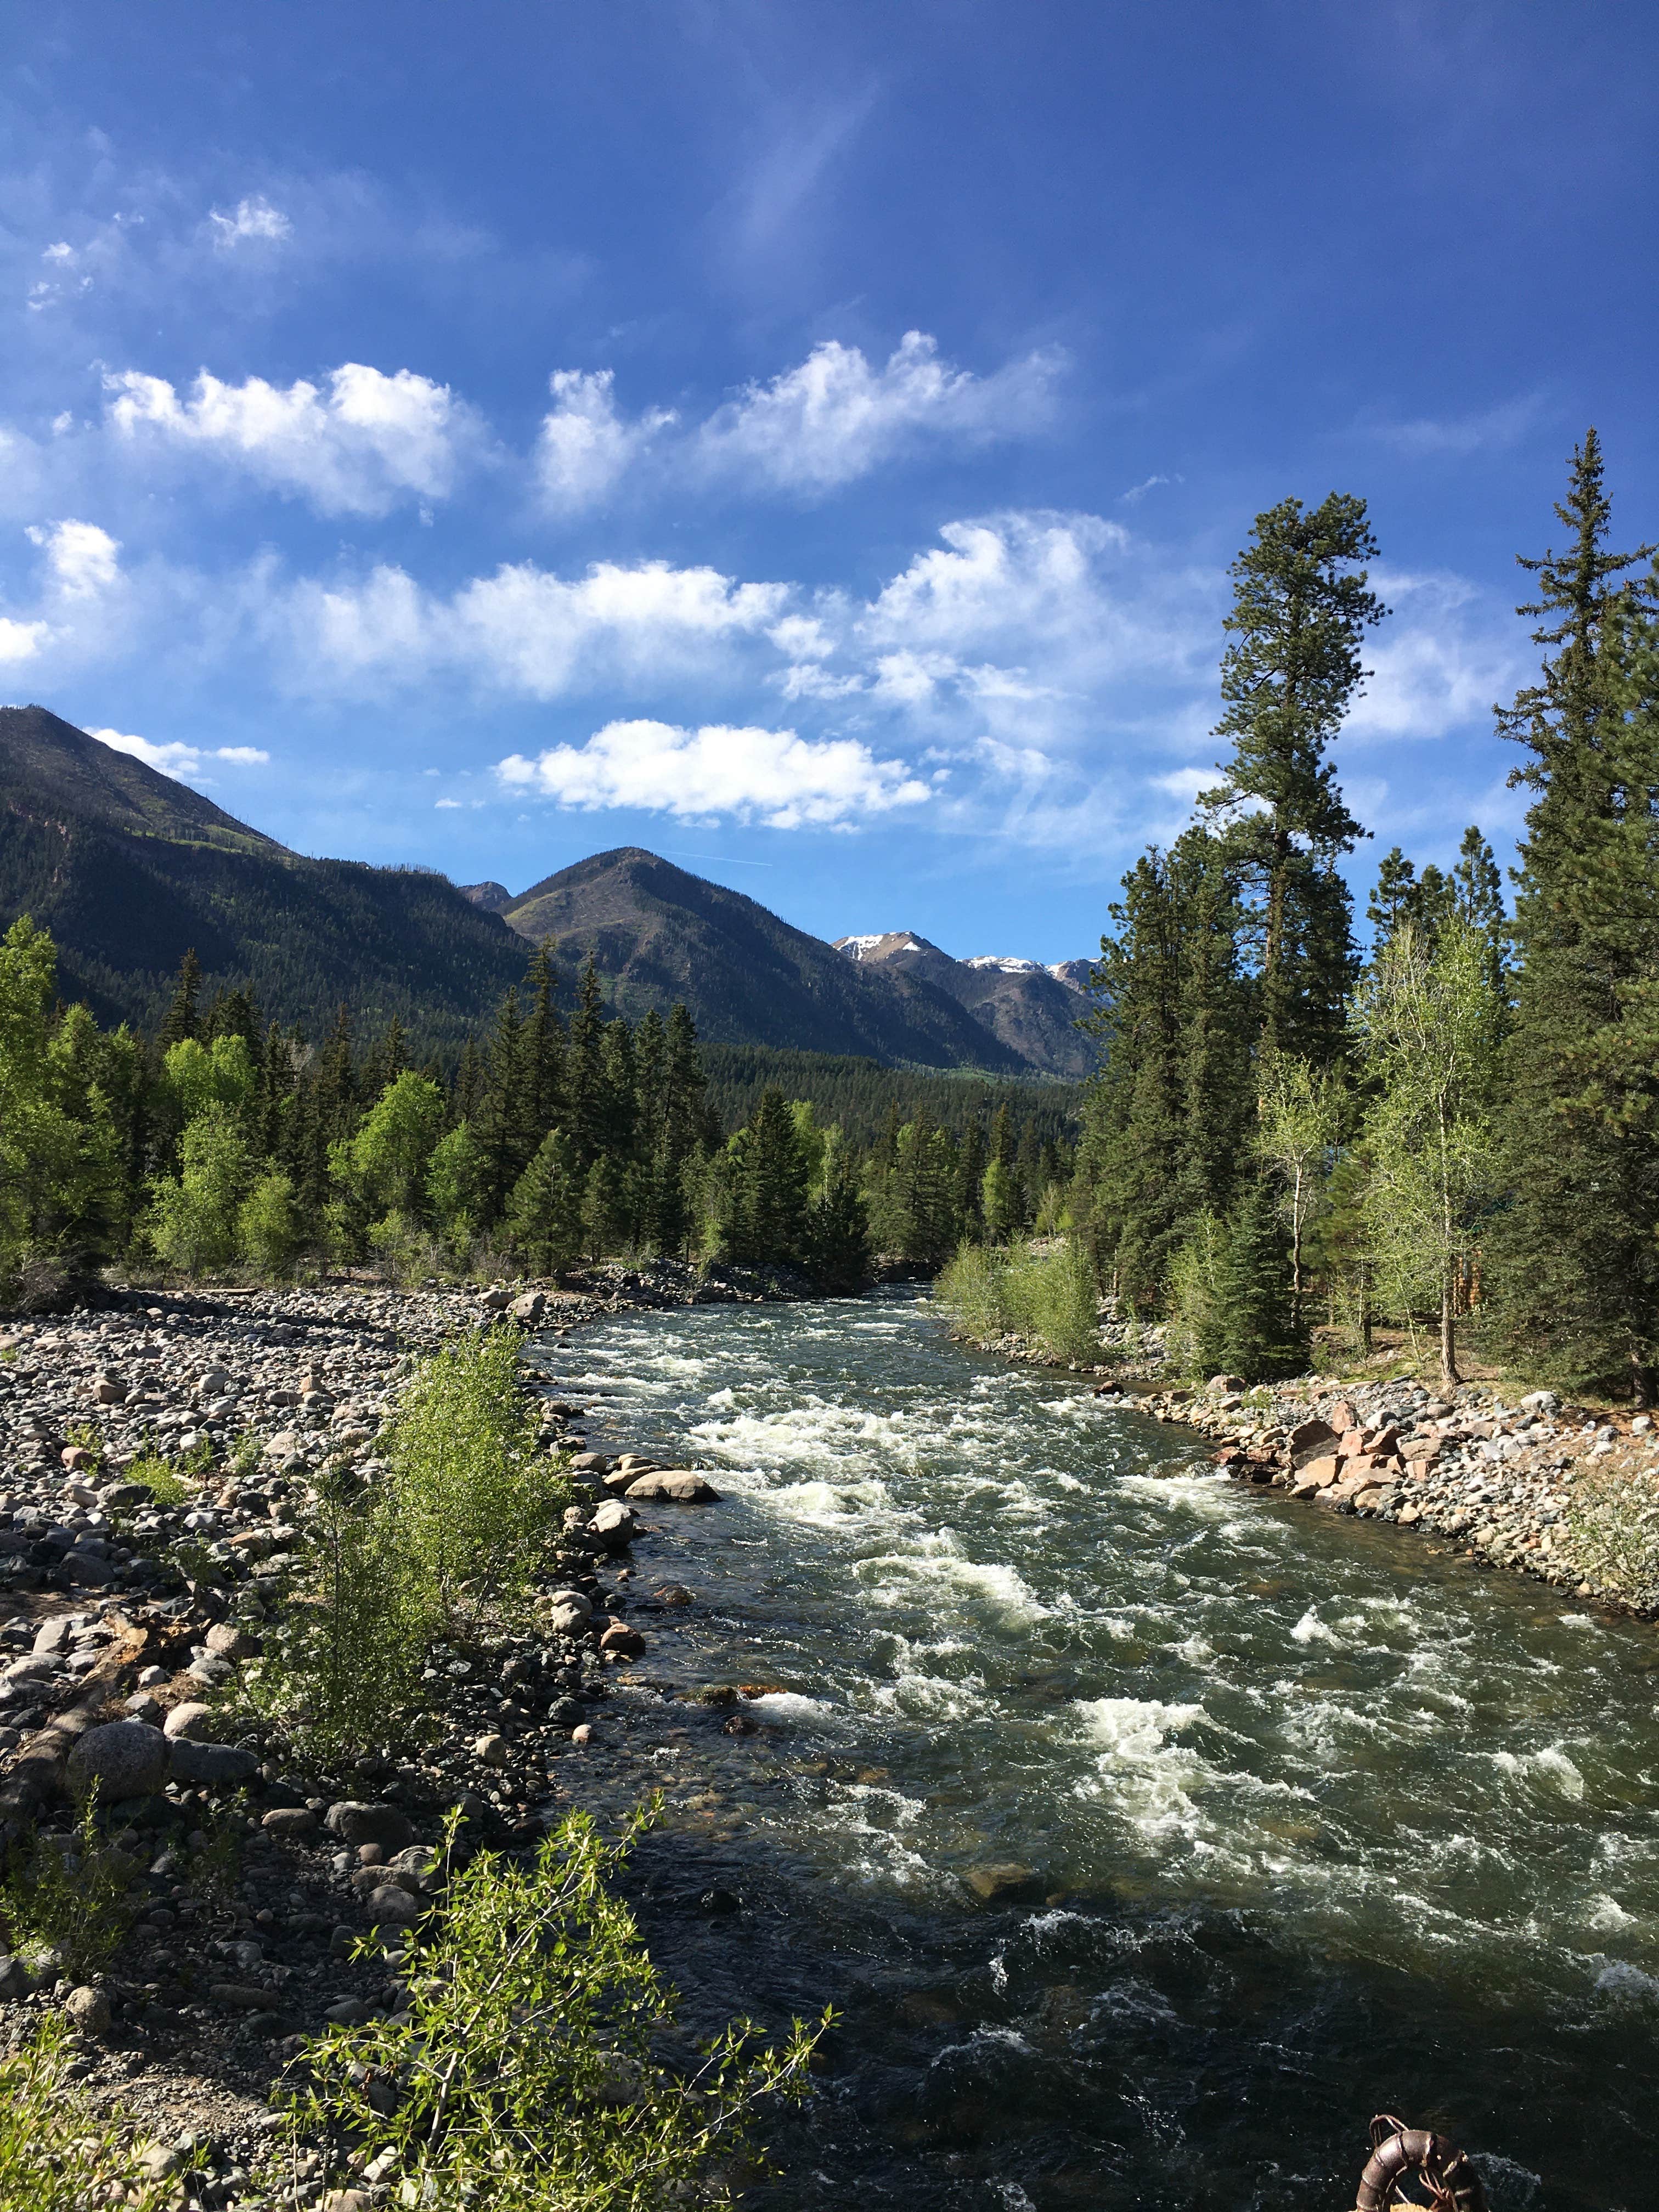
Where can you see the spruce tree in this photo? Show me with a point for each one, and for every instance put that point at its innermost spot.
(544, 1049)
(183, 1016)
(1301, 607)
(1393, 900)
(837, 1236)
(1261, 1332)
(769, 1222)
(545, 1215)
(1577, 1244)
(585, 1101)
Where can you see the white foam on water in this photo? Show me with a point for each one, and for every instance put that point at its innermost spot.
(983, 2040)
(1310, 1629)
(787, 1705)
(900, 1578)
(1550, 1766)
(1605, 1913)
(1618, 1978)
(1069, 1482)
(1145, 1777)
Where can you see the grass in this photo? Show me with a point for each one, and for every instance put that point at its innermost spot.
(1045, 1294)
(527, 2069)
(69, 1895)
(56, 2155)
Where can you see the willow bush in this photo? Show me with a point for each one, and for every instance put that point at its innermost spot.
(57, 2155)
(1043, 1292)
(526, 2071)
(1614, 1520)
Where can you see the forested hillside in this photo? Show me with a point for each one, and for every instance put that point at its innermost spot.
(130, 871)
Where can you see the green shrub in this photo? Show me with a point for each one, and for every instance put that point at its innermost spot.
(56, 2155)
(1614, 1521)
(71, 1895)
(270, 1229)
(158, 1476)
(1045, 1293)
(473, 1499)
(342, 1669)
(527, 2069)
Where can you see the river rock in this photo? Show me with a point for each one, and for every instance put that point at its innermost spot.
(1000, 1880)
(568, 1611)
(217, 1765)
(528, 1308)
(289, 1820)
(354, 1823)
(616, 1522)
(190, 1719)
(392, 1906)
(89, 2012)
(125, 1759)
(683, 1485)
(15, 1979)
(627, 1643)
(227, 1641)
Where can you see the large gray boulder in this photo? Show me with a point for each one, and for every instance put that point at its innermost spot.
(354, 1823)
(191, 1719)
(121, 1758)
(615, 1523)
(684, 1486)
(215, 1765)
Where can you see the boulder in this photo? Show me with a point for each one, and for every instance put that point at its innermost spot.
(124, 1759)
(392, 1906)
(625, 1642)
(15, 1979)
(227, 1641)
(528, 1308)
(354, 1823)
(1310, 1440)
(683, 1485)
(289, 1820)
(568, 1610)
(490, 1750)
(215, 1765)
(191, 1719)
(616, 1523)
(1003, 1879)
(587, 1462)
(1225, 1386)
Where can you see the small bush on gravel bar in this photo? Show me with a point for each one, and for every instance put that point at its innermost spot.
(55, 2155)
(525, 2072)
(473, 1500)
(1614, 1523)
(70, 1893)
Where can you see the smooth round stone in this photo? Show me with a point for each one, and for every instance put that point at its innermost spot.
(123, 1759)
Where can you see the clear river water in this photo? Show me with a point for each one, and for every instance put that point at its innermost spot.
(1287, 1819)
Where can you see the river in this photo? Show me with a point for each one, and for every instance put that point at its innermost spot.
(1287, 1819)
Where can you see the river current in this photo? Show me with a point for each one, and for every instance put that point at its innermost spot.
(1285, 1819)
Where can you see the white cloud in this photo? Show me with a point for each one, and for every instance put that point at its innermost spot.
(585, 446)
(174, 758)
(1445, 654)
(368, 442)
(252, 218)
(770, 776)
(527, 629)
(21, 641)
(836, 417)
(80, 558)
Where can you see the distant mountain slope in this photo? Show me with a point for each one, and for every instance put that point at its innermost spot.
(129, 869)
(658, 934)
(1025, 1006)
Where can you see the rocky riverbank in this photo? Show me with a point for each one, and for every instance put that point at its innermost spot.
(235, 1875)
(1556, 1491)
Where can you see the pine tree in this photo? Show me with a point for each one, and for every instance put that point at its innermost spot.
(1578, 1244)
(837, 1236)
(1301, 607)
(183, 1018)
(769, 1216)
(501, 1125)
(544, 1049)
(1393, 900)
(585, 1101)
(545, 1217)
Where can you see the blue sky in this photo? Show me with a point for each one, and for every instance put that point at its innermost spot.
(806, 439)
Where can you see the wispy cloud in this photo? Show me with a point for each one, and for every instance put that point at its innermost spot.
(252, 219)
(172, 757)
(1489, 429)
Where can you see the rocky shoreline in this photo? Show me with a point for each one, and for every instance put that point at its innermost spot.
(247, 1874)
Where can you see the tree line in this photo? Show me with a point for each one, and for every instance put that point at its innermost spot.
(1283, 1131)
(230, 1141)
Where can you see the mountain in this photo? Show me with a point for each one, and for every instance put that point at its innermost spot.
(1027, 1007)
(657, 935)
(488, 898)
(129, 869)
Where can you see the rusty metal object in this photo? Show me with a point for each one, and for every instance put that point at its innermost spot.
(1435, 2172)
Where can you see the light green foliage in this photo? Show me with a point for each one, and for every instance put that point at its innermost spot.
(54, 1167)
(159, 1478)
(1299, 1126)
(56, 2154)
(472, 1500)
(1427, 1024)
(545, 1215)
(198, 1076)
(193, 1221)
(270, 1229)
(384, 1166)
(70, 1893)
(342, 1670)
(1613, 1523)
(454, 1178)
(1196, 1336)
(1044, 1293)
(527, 2069)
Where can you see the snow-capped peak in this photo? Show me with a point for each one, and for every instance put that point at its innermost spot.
(1010, 963)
